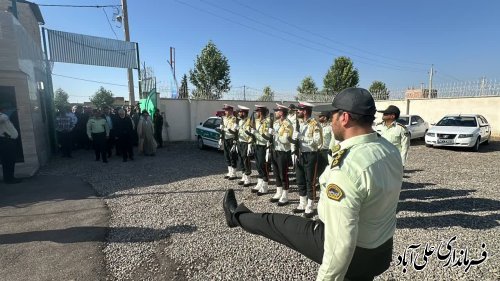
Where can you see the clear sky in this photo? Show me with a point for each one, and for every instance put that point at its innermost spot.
(277, 43)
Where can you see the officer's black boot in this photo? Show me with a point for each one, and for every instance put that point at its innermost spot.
(232, 209)
(229, 204)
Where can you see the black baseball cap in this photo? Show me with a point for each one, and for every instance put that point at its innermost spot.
(354, 100)
(325, 113)
(391, 109)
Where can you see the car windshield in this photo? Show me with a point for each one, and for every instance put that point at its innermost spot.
(403, 120)
(458, 121)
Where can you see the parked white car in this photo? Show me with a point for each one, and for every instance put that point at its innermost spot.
(207, 134)
(460, 130)
(415, 125)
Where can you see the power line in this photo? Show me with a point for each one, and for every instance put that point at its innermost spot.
(292, 41)
(324, 37)
(449, 76)
(88, 80)
(110, 26)
(301, 37)
(76, 6)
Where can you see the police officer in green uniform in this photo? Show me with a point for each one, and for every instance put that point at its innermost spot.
(228, 139)
(324, 151)
(282, 132)
(98, 132)
(292, 117)
(393, 131)
(359, 195)
(244, 145)
(261, 136)
(309, 138)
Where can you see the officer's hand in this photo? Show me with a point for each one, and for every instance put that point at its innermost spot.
(271, 131)
(295, 135)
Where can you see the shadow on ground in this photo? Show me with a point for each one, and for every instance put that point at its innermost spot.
(96, 234)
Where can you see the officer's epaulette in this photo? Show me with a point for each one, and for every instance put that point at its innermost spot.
(335, 148)
(337, 158)
(314, 124)
(399, 124)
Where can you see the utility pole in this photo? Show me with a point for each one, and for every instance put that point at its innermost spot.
(130, 76)
(172, 66)
(430, 80)
(244, 93)
(14, 8)
(172, 60)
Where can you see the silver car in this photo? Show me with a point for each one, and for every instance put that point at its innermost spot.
(415, 125)
(459, 130)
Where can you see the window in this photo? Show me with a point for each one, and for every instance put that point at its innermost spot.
(483, 120)
(418, 119)
(209, 123)
(403, 120)
(457, 121)
(217, 122)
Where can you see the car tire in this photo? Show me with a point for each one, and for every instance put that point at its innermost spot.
(487, 141)
(425, 133)
(475, 148)
(201, 145)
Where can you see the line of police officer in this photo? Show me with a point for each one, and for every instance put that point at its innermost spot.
(289, 138)
(293, 138)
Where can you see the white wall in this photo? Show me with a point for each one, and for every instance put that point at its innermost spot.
(183, 116)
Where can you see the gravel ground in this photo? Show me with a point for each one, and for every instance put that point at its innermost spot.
(167, 221)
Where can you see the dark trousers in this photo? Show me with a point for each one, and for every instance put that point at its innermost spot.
(322, 161)
(244, 160)
(110, 143)
(158, 136)
(260, 160)
(305, 173)
(99, 143)
(124, 146)
(66, 141)
(280, 168)
(81, 139)
(231, 157)
(8, 157)
(307, 237)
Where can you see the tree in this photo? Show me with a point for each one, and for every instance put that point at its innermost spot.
(307, 89)
(267, 94)
(341, 75)
(379, 90)
(210, 75)
(183, 90)
(61, 99)
(102, 98)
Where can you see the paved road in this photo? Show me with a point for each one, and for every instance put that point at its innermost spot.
(52, 228)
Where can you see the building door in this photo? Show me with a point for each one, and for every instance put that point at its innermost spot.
(9, 105)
